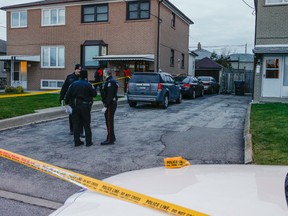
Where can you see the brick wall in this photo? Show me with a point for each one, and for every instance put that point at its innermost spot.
(121, 35)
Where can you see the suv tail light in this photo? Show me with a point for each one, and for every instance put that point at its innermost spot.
(159, 86)
(186, 85)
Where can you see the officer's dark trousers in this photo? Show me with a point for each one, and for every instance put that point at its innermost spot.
(109, 117)
(71, 124)
(81, 115)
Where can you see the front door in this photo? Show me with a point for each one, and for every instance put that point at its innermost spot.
(19, 75)
(284, 92)
(271, 82)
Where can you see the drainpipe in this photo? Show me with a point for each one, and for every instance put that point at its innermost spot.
(12, 69)
(158, 37)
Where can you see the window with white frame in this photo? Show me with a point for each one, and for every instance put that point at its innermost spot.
(52, 57)
(18, 19)
(272, 2)
(53, 16)
(51, 84)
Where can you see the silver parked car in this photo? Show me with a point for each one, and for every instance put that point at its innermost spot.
(210, 84)
(152, 87)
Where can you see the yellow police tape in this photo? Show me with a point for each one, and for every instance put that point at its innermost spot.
(100, 186)
(48, 92)
(28, 94)
(175, 162)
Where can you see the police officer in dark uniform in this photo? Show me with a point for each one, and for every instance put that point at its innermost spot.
(80, 97)
(68, 81)
(109, 99)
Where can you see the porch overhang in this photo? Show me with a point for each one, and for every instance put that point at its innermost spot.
(28, 58)
(147, 57)
(270, 49)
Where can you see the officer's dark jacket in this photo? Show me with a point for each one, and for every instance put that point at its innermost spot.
(109, 91)
(69, 80)
(80, 92)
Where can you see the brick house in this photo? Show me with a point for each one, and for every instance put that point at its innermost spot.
(45, 39)
(271, 51)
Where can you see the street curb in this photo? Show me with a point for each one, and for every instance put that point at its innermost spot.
(44, 115)
(248, 154)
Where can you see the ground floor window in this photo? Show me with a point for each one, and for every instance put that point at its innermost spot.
(51, 84)
(91, 49)
(52, 57)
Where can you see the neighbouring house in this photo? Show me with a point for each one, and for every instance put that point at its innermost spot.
(202, 53)
(45, 39)
(3, 74)
(242, 61)
(208, 67)
(191, 64)
(271, 51)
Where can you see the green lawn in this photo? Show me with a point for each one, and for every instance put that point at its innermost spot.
(17, 106)
(269, 129)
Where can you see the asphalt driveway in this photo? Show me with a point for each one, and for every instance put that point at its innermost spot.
(204, 130)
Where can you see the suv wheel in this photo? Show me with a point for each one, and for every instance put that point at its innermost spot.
(132, 104)
(165, 102)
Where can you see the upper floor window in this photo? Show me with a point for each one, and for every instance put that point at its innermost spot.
(138, 10)
(173, 17)
(53, 16)
(95, 13)
(270, 2)
(52, 57)
(18, 19)
(172, 58)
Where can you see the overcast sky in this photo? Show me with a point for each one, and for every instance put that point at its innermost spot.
(224, 26)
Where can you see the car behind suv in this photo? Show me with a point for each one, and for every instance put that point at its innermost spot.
(210, 84)
(152, 87)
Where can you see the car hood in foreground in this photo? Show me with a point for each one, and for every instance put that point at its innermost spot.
(224, 190)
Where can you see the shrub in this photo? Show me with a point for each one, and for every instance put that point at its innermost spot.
(12, 89)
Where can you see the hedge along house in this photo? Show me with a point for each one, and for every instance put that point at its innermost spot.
(45, 39)
(271, 51)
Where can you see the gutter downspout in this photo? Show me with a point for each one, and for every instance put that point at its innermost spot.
(158, 36)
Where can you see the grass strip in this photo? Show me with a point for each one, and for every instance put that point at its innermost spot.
(269, 129)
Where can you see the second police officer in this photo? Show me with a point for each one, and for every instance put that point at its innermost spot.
(109, 99)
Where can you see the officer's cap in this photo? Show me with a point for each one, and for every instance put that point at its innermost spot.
(77, 66)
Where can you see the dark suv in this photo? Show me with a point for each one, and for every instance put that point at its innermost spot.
(159, 88)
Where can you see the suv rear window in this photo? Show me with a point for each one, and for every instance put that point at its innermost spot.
(145, 78)
(186, 80)
(204, 78)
